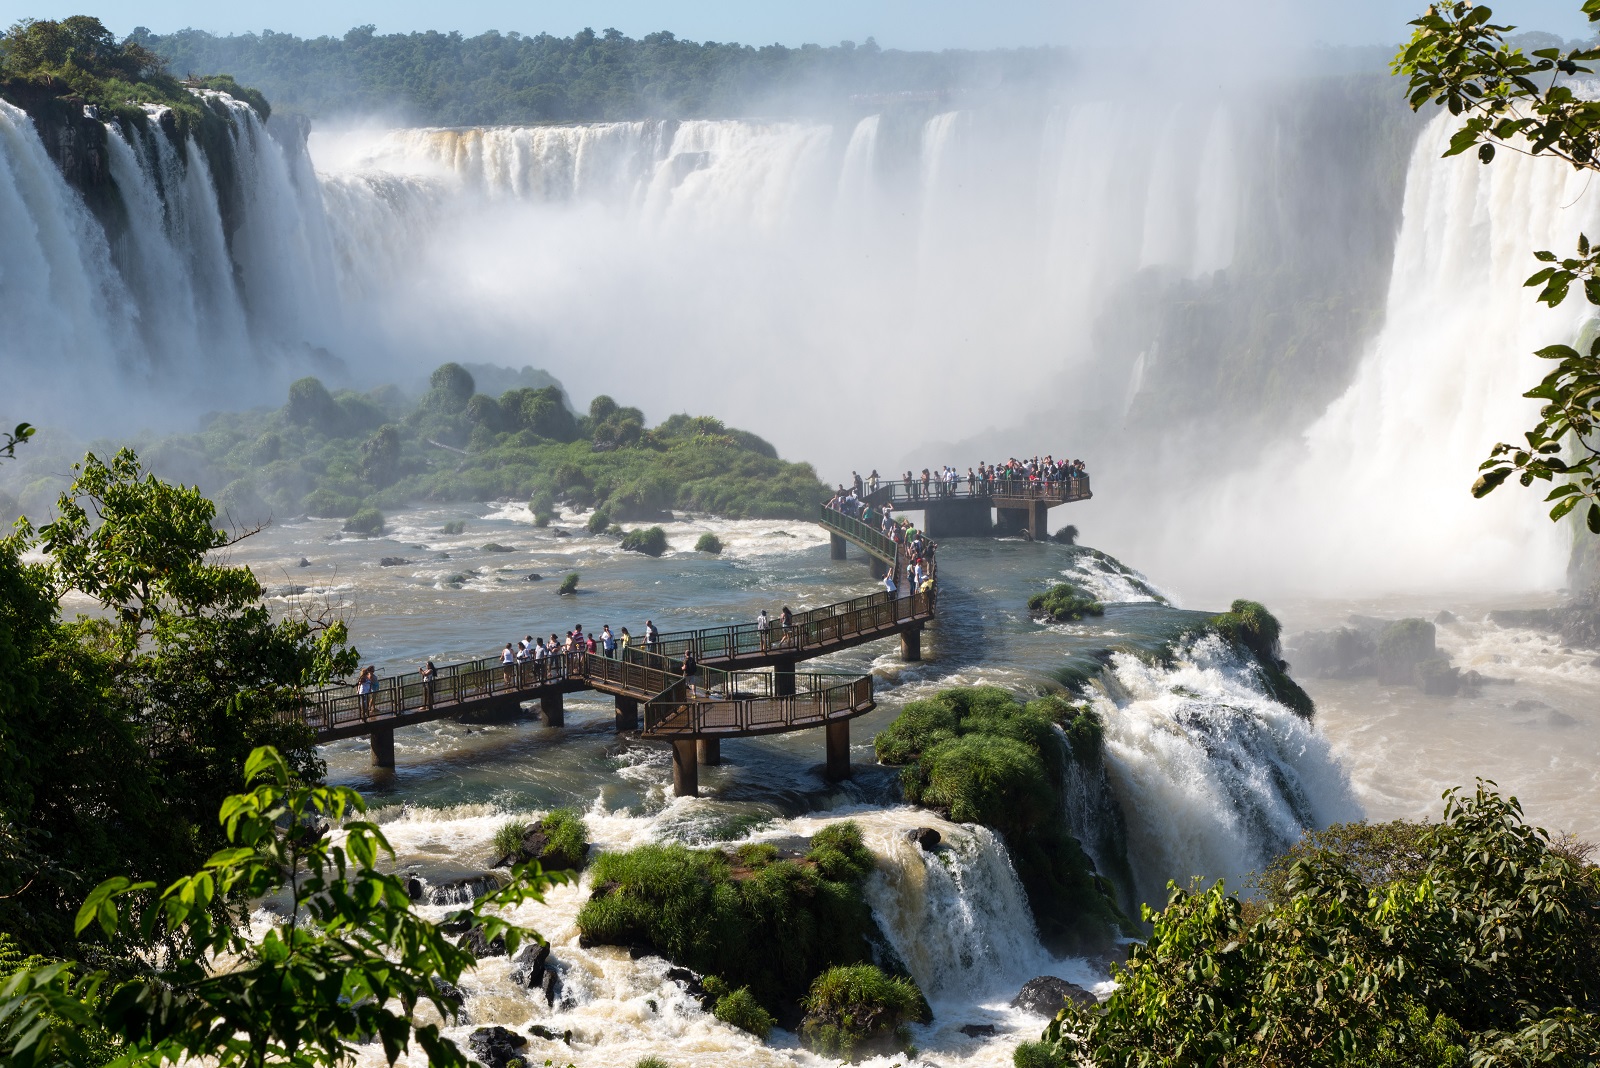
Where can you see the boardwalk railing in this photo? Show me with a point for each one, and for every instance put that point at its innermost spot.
(912, 495)
(823, 698)
(811, 630)
(869, 536)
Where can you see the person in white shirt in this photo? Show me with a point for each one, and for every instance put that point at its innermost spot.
(764, 629)
(509, 660)
(888, 583)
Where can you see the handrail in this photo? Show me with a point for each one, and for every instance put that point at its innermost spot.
(869, 537)
(809, 630)
(1061, 491)
(673, 714)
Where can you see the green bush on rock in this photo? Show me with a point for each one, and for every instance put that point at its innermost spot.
(857, 1011)
(978, 755)
(366, 521)
(763, 923)
(708, 543)
(599, 522)
(1065, 602)
(740, 1009)
(569, 585)
(1254, 631)
(652, 541)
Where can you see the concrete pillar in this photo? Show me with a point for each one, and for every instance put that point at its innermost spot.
(709, 751)
(911, 645)
(836, 544)
(783, 678)
(552, 711)
(838, 750)
(627, 715)
(382, 742)
(1011, 521)
(685, 772)
(879, 568)
(1039, 520)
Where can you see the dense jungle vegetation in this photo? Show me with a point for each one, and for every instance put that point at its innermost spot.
(446, 79)
(351, 454)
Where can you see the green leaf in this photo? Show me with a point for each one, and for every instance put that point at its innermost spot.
(265, 762)
(1592, 519)
(1490, 480)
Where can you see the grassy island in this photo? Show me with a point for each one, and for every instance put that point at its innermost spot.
(339, 453)
(1065, 602)
(759, 926)
(978, 755)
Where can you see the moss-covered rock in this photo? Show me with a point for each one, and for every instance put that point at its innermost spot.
(652, 541)
(980, 756)
(1255, 632)
(1065, 602)
(365, 521)
(857, 1011)
(708, 543)
(751, 919)
(559, 842)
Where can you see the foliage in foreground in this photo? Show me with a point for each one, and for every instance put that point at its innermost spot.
(1065, 602)
(979, 756)
(856, 1011)
(349, 961)
(1469, 941)
(122, 733)
(749, 919)
(1254, 631)
(1458, 58)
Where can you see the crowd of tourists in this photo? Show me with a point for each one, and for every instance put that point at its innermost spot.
(913, 549)
(985, 480)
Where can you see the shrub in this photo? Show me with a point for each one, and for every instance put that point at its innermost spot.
(542, 519)
(569, 585)
(454, 527)
(651, 1062)
(600, 521)
(365, 521)
(1254, 631)
(741, 1009)
(652, 541)
(770, 927)
(567, 839)
(857, 1011)
(508, 837)
(1065, 602)
(709, 543)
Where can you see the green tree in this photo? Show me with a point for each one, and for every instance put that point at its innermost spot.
(122, 731)
(450, 387)
(1458, 58)
(349, 961)
(379, 458)
(1479, 950)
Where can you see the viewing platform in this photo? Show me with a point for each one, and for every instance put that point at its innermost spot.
(963, 509)
(747, 684)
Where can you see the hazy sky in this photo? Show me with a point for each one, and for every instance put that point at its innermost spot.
(910, 24)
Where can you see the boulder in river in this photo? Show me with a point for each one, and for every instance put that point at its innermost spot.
(533, 970)
(926, 838)
(393, 561)
(1046, 994)
(977, 1030)
(495, 1047)
(480, 946)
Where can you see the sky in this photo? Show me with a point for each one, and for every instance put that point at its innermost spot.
(908, 24)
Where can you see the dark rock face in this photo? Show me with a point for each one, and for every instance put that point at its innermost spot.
(1345, 653)
(978, 1030)
(479, 946)
(535, 971)
(393, 561)
(1045, 995)
(926, 838)
(453, 998)
(1399, 652)
(541, 1031)
(495, 1047)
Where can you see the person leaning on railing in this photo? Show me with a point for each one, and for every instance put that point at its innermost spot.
(366, 690)
(428, 674)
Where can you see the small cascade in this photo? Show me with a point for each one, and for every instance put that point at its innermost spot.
(1213, 777)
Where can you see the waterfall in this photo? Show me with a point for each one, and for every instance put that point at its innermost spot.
(1212, 777)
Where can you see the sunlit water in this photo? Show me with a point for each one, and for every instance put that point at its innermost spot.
(1210, 776)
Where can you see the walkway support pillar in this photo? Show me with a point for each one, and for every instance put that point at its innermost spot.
(838, 750)
(783, 677)
(552, 711)
(627, 715)
(382, 742)
(836, 545)
(685, 772)
(709, 751)
(911, 645)
(1039, 520)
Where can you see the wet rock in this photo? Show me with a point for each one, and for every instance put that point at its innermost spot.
(1346, 653)
(977, 1030)
(1445, 618)
(533, 970)
(541, 1031)
(558, 532)
(496, 547)
(452, 997)
(414, 889)
(1437, 677)
(1527, 705)
(1544, 619)
(495, 1047)
(1402, 647)
(464, 890)
(536, 846)
(303, 562)
(926, 838)
(393, 561)
(534, 576)
(1046, 994)
(692, 986)
(480, 946)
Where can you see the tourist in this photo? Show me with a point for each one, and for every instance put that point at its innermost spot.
(540, 665)
(872, 480)
(366, 690)
(508, 660)
(607, 642)
(786, 621)
(624, 640)
(428, 672)
(888, 584)
(764, 629)
(650, 636)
